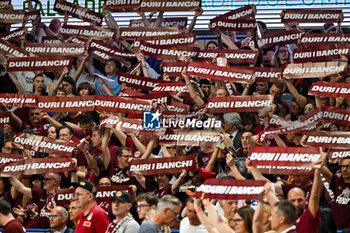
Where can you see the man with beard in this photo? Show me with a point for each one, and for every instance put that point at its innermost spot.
(123, 222)
(44, 198)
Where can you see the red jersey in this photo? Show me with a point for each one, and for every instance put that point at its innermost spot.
(96, 221)
(13, 226)
(306, 223)
(341, 204)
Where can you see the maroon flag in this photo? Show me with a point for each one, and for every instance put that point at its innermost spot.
(330, 89)
(221, 189)
(158, 166)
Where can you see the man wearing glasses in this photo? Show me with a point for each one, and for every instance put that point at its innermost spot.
(58, 219)
(92, 219)
(44, 198)
(167, 213)
(145, 202)
(340, 185)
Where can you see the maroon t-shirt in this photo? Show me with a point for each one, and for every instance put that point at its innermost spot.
(39, 130)
(341, 204)
(13, 226)
(45, 205)
(306, 223)
(154, 187)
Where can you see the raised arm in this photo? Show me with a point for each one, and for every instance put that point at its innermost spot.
(198, 100)
(18, 85)
(194, 20)
(300, 99)
(59, 81)
(104, 147)
(314, 200)
(19, 186)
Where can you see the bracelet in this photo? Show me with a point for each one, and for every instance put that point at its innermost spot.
(199, 210)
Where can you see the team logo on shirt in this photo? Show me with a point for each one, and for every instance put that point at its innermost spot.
(87, 224)
(344, 197)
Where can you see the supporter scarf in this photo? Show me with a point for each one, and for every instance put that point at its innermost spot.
(330, 89)
(285, 160)
(114, 226)
(5, 118)
(122, 6)
(321, 53)
(312, 16)
(14, 35)
(271, 40)
(179, 22)
(173, 5)
(328, 139)
(320, 39)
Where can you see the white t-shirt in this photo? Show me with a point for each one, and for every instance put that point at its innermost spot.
(186, 227)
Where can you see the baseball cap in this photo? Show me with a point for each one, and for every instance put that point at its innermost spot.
(85, 184)
(122, 196)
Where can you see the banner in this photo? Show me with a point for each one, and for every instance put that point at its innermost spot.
(232, 55)
(138, 82)
(10, 50)
(169, 40)
(79, 12)
(190, 138)
(132, 33)
(129, 126)
(14, 35)
(179, 22)
(328, 139)
(336, 155)
(311, 16)
(122, 104)
(79, 40)
(5, 158)
(44, 144)
(173, 5)
(32, 16)
(62, 49)
(320, 39)
(314, 69)
(95, 44)
(5, 118)
(104, 194)
(50, 40)
(339, 116)
(246, 12)
(222, 189)
(267, 74)
(321, 53)
(11, 16)
(5, 3)
(232, 25)
(330, 89)
(37, 166)
(285, 160)
(66, 104)
(168, 52)
(272, 40)
(172, 87)
(17, 100)
(231, 74)
(173, 69)
(122, 5)
(238, 103)
(38, 63)
(158, 166)
(277, 121)
(90, 32)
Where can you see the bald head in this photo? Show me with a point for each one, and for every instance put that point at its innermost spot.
(297, 197)
(58, 218)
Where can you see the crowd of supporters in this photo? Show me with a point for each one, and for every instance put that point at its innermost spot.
(159, 203)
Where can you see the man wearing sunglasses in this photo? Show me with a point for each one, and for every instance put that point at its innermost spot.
(340, 185)
(44, 198)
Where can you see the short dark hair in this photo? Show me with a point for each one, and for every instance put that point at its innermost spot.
(116, 62)
(86, 119)
(71, 130)
(280, 86)
(5, 207)
(150, 198)
(101, 131)
(119, 151)
(286, 208)
(85, 85)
